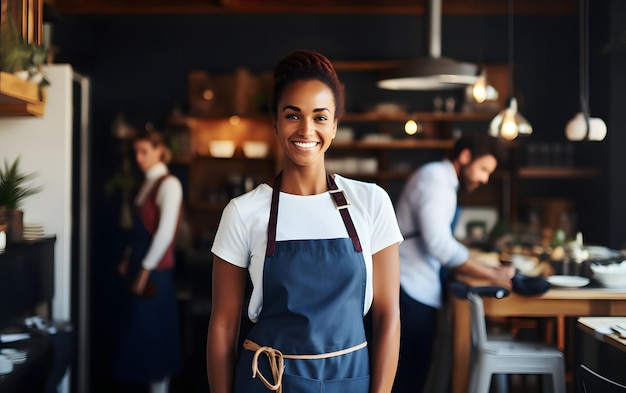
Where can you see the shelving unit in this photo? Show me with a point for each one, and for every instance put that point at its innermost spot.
(378, 150)
(213, 181)
(400, 7)
(19, 97)
(210, 180)
(556, 173)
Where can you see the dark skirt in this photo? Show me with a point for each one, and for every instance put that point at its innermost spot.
(147, 346)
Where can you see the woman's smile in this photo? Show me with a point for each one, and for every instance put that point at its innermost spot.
(305, 145)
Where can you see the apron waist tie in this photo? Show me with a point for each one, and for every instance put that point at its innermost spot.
(277, 363)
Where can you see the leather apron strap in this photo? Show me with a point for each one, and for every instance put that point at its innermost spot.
(341, 202)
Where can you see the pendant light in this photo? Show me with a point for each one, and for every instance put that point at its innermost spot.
(482, 91)
(582, 126)
(433, 72)
(509, 123)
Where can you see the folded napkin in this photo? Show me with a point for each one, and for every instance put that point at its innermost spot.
(529, 285)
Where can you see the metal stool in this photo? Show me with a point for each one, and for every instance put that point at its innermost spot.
(490, 356)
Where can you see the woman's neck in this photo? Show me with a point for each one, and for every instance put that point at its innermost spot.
(304, 181)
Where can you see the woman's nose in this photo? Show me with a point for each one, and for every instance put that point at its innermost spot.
(307, 127)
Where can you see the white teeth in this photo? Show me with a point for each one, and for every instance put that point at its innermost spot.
(305, 145)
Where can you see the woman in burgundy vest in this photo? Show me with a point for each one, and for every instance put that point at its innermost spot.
(148, 347)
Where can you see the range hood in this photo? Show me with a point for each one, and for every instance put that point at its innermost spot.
(433, 72)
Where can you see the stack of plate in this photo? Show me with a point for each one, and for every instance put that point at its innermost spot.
(6, 365)
(15, 355)
(32, 231)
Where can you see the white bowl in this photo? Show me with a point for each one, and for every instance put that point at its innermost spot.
(255, 149)
(610, 276)
(222, 149)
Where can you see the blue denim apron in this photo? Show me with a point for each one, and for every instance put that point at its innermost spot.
(148, 344)
(311, 325)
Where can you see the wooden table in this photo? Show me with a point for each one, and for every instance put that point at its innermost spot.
(600, 328)
(554, 303)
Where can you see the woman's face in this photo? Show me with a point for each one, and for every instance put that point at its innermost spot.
(305, 123)
(146, 154)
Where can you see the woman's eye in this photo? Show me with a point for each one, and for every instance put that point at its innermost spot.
(292, 116)
(322, 118)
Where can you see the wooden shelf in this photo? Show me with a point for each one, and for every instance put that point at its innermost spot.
(184, 121)
(418, 116)
(380, 175)
(19, 97)
(556, 172)
(350, 7)
(396, 144)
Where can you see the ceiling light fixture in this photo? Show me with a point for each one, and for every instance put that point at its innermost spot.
(509, 123)
(582, 125)
(483, 91)
(433, 72)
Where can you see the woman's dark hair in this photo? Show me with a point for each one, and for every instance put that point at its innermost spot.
(156, 139)
(307, 65)
(479, 144)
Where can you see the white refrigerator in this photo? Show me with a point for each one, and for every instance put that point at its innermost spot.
(55, 148)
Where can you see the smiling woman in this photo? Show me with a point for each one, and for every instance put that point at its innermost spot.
(330, 249)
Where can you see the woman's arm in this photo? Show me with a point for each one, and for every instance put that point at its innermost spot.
(169, 199)
(227, 300)
(385, 319)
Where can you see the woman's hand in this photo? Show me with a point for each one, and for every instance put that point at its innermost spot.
(122, 267)
(139, 285)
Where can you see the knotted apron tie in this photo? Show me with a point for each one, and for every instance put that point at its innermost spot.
(277, 362)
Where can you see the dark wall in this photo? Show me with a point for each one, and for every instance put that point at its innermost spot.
(139, 63)
(616, 116)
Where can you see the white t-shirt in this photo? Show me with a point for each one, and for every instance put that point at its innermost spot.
(241, 237)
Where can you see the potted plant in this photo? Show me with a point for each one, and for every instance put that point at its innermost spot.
(13, 190)
(22, 58)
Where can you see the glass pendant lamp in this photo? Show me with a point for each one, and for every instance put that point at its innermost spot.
(582, 125)
(482, 90)
(509, 122)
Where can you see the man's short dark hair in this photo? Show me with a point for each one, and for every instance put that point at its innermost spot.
(480, 144)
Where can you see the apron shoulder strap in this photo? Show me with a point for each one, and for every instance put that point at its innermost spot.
(271, 225)
(342, 204)
(340, 200)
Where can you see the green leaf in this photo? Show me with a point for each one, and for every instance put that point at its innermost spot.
(13, 187)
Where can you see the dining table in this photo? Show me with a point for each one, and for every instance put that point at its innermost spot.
(559, 302)
(602, 329)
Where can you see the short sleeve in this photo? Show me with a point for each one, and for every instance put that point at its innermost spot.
(231, 241)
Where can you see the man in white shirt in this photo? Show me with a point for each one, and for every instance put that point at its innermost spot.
(426, 210)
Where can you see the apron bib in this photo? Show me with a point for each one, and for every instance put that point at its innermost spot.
(311, 324)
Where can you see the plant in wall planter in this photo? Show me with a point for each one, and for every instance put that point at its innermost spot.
(14, 188)
(21, 58)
